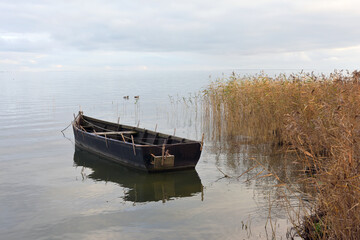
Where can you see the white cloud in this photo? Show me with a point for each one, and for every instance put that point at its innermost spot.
(330, 6)
(8, 61)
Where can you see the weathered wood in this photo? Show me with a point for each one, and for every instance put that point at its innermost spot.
(114, 133)
(122, 135)
(133, 144)
(162, 154)
(160, 162)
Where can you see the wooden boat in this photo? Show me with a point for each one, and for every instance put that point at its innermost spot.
(135, 147)
(139, 186)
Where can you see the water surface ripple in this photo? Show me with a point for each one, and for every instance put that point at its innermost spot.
(50, 190)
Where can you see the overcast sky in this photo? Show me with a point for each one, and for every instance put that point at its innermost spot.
(71, 35)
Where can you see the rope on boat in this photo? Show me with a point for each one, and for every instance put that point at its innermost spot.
(70, 123)
(62, 131)
(66, 127)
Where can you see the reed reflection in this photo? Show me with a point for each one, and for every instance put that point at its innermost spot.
(141, 186)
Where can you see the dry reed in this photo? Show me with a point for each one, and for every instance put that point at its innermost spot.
(317, 116)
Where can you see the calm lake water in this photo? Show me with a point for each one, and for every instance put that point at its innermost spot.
(50, 190)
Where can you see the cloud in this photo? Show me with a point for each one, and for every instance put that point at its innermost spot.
(8, 61)
(23, 42)
(155, 30)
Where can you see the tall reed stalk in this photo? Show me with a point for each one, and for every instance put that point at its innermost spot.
(317, 116)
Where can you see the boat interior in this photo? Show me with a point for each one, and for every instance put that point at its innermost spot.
(125, 133)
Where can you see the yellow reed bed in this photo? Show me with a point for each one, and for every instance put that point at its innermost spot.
(315, 115)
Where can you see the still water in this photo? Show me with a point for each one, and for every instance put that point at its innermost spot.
(51, 190)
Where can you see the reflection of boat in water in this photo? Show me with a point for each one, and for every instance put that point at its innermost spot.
(142, 186)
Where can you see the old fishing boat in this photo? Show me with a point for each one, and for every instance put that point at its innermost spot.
(135, 147)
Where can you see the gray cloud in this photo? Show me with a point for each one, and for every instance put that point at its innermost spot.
(199, 27)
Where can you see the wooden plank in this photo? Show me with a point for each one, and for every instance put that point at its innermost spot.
(166, 162)
(112, 133)
(133, 144)
(122, 135)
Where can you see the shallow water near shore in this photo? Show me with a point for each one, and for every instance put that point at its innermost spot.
(51, 190)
